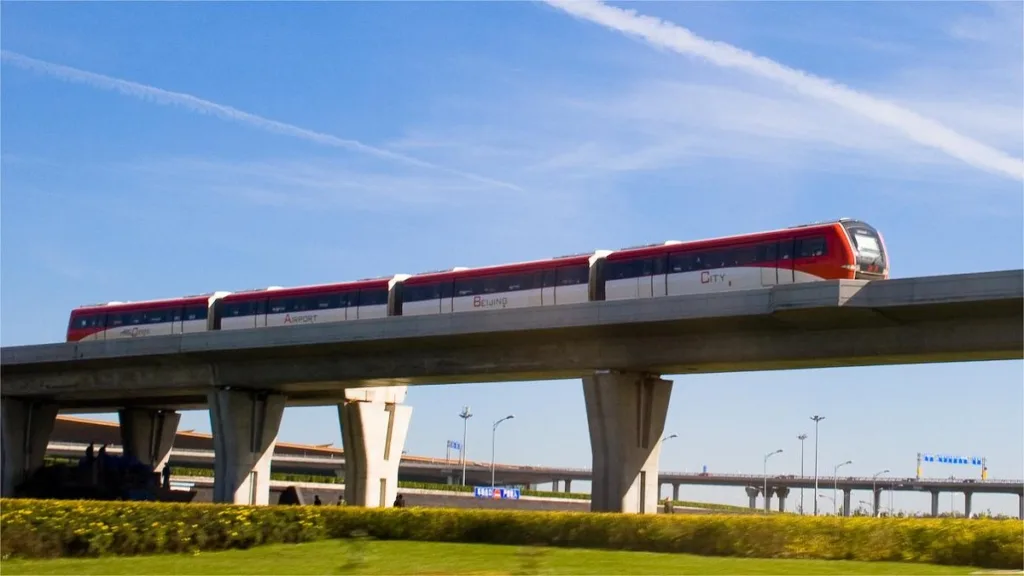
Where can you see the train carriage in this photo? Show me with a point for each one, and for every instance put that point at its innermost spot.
(118, 320)
(844, 249)
(276, 306)
(562, 280)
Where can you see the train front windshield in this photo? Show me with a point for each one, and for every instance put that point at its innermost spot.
(871, 259)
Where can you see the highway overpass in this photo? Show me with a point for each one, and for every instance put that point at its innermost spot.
(619, 348)
(192, 449)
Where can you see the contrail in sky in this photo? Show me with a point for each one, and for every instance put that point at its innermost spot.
(922, 130)
(166, 97)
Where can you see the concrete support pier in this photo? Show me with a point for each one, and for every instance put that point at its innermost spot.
(752, 493)
(935, 503)
(967, 504)
(1020, 503)
(568, 485)
(147, 435)
(26, 428)
(876, 502)
(782, 493)
(847, 494)
(675, 492)
(626, 415)
(374, 424)
(245, 425)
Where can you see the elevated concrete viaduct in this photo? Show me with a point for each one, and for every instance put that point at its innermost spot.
(621, 348)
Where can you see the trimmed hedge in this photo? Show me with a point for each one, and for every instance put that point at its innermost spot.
(53, 528)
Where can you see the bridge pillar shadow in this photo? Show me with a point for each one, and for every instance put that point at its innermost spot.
(26, 428)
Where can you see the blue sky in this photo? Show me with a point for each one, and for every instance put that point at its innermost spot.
(416, 136)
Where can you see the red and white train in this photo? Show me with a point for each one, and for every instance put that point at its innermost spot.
(825, 251)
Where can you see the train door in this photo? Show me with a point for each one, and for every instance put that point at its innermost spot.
(645, 283)
(767, 261)
(785, 262)
(447, 290)
(176, 319)
(547, 291)
(262, 310)
(659, 282)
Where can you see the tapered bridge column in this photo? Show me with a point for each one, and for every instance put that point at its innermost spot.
(26, 428)
(626, 414)
(148, 435)
(374, 424)
(245, 425)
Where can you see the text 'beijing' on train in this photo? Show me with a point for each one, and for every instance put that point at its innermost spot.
(823, 251)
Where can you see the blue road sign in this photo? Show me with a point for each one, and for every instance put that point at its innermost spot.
(454, 445)
(496, 493)
(956, 460)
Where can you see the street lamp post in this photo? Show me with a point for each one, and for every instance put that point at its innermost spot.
(874, 498)
(835, 485)
(801, 438)
(816, 419)
(465, 415)
(767, 498)
(494, 432)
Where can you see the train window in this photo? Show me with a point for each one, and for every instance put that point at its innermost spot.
(680, 262)
(810, 247)
(230, 310)
(785, 250)
(548, 280)
(623, 269)
(447, 288)
(744, 255)
(572, 275)
(514, 282)
(374, 297)
(661, 265)
(301, 304)
(278, 306)
(175, 315)
(115, 320)
(135, 318)
(421, 293)
(155, 316)
(345, 299)
(468, 287)
(330, 301)
(766, 252)
(490, 285)
(91, 321)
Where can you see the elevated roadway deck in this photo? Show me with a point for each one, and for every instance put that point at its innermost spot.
(958, 317)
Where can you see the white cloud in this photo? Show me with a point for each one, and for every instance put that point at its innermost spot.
(917, 128)
(201, 106)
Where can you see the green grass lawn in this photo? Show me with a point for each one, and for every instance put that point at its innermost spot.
(396, 557)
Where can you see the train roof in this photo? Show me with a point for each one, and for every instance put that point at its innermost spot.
(278, 292)
(140, 304)
(516, 267)
(674, 245)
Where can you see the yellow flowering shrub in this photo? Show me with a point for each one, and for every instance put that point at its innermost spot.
(51, 528)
